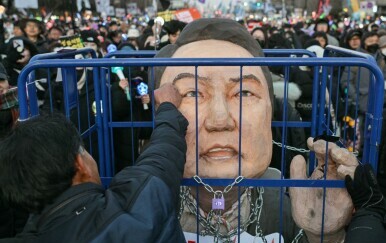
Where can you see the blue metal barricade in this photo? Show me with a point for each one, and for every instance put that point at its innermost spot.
(319, 124)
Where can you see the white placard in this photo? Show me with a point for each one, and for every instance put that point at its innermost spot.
(132, 8)
(86, 4)
(26, 4)
(102, 5)
(111, 11)
(120, 12)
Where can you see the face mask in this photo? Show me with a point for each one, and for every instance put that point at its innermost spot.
(372, 48)
(384, 52)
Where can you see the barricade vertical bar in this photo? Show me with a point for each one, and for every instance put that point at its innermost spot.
(33, 99)
(105, 122)
(322, 103)
(98, 120)
(315, 115)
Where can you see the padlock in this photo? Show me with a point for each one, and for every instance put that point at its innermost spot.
(218, 203)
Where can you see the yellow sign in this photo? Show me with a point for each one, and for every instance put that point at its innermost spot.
(167, 15)
(71, 41)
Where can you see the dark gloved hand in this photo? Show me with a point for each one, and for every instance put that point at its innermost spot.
(365, 191)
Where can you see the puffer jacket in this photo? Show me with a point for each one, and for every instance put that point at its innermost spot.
(139, 206)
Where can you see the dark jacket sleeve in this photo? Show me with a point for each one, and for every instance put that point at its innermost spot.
(166, 154)
(366, 226)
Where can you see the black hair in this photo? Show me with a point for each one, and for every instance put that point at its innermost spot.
(23, 25)
(55, 28)
(320, 34)
(173, 26)
(265, 36)
(37, 161)
(367, 35)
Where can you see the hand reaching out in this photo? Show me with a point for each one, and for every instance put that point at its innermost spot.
(167, 93)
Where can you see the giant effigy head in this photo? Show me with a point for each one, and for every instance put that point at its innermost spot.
(215, 125)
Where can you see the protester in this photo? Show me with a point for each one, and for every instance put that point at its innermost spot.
(260, 35)
(63, 190)
(322, 25)
(353, 40)
(173, 29)
(12, 219)
(33, 29)
(54, 34)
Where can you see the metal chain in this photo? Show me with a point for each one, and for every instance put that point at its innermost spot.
(213, 230)
(355, 153)
(210, 189)
(290, 147)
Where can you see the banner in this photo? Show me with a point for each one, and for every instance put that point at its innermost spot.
(120, 12)
(111, 11)
(187, 15)
(26, 4)
(354, 5)
(132, 8)
(71, 41)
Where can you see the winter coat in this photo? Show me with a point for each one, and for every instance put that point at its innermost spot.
(366, 226)
(139, 206)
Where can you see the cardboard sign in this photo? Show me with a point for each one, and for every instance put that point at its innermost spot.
(188, 15)
(71, 41)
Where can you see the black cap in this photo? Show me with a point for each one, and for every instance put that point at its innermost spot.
(3, 73)
(354, 32)
(214, 29)
(89, 36)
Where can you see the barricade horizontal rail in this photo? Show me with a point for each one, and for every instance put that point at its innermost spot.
(267, 52)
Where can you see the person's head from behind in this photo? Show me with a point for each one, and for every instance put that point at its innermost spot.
(40, 159)
(218, 99)
(260, 35)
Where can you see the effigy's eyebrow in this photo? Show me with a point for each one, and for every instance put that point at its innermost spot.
(248, 77)
(188, 75)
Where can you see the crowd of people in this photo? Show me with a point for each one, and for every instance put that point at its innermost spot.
(217, 123)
